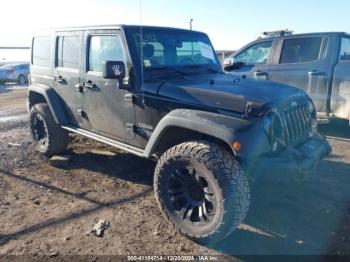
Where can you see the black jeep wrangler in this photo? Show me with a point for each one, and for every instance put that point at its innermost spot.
(161, 93)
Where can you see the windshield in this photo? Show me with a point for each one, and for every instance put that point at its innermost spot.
(162, 49)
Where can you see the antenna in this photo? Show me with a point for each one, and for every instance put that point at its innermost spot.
(141, 45)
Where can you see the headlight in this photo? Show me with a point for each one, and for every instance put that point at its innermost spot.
(273, 125)
(277, 127)
(274, 128)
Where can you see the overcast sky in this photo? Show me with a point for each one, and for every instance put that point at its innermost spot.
(229, 23)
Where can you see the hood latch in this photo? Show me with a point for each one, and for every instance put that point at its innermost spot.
(248, 109)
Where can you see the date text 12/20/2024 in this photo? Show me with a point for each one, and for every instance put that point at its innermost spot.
(173, 258)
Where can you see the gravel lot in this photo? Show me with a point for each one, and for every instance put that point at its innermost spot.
(45, 210)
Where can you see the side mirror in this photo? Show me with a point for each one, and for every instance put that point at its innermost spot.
(232, 64)
(113, 70)
(228, 61)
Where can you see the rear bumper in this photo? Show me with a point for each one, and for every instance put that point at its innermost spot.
(301, 160)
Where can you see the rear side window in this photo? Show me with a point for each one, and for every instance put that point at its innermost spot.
(104, 48)
(41, 51)
(345, 49)
(255, 54)
(68, 51)
(190, 52)
(301, 50)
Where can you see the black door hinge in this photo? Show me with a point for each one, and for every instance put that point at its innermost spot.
(130, 126)
(82, 113)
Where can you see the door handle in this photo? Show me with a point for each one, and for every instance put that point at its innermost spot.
(260, 73)
(315, 73)
(79, 87)
(90, 85)
(61, 80)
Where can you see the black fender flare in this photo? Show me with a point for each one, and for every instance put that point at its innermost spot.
(223, 127)
(53, 100)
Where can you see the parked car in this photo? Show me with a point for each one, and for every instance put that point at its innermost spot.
(14, 73)
(318, 63)
(160, 93)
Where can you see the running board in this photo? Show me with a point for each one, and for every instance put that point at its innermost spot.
(108, 141)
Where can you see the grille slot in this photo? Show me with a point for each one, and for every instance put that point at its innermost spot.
(297, 124)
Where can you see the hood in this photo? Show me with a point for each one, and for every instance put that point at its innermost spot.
(227, 92)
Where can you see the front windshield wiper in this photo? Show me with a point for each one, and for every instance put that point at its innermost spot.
(203, 67)
(167, 69)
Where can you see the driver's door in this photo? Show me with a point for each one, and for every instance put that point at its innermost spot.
(252, 61)
(107, 110)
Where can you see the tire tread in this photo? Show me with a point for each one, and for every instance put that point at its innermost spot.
(232, 181)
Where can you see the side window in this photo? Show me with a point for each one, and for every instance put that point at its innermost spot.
(256, 54)
(104, 48)
(301, 50)
(345, 49)
(68, 51)
(153, 54)
(41, 51)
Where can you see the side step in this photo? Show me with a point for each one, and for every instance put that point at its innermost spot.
(108, 141)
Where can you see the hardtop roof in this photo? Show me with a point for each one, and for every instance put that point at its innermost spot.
(110, 26)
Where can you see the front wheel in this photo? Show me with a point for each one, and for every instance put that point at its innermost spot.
(201, 190)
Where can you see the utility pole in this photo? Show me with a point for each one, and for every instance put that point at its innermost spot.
(191, 23)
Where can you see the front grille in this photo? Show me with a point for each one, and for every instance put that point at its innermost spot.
(297, 124)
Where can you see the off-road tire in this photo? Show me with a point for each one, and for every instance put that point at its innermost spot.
(55, 139)
(21, 80)
(227, 181)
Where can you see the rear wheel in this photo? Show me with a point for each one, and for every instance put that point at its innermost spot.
(49, 137)
(21, 80)
(201, 190)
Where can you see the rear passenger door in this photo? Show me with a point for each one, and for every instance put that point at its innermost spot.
(67, 73)
(303, 62)
(107, 106)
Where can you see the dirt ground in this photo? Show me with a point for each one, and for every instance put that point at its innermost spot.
(45, 210)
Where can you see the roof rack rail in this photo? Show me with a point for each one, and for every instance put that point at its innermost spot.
(283, 32)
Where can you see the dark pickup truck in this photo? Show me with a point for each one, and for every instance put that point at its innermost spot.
(318, 63)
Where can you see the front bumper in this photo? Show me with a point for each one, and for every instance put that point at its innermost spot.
(301, 160)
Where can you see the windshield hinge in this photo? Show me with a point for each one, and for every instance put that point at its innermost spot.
(129, 98)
